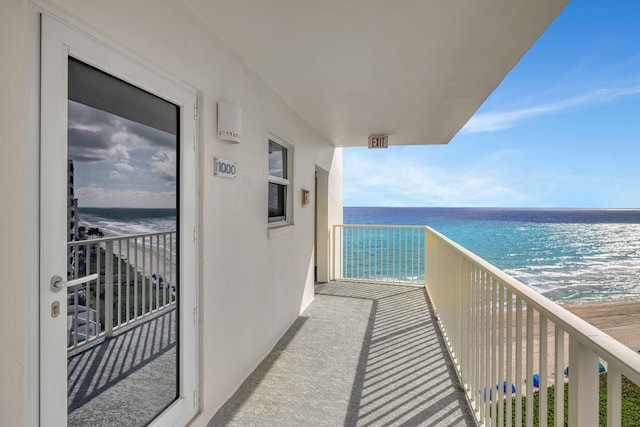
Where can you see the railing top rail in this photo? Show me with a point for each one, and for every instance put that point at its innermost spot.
(379, 226)
(599, 342)
(123, 237)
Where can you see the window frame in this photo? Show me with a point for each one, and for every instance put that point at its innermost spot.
(286, 181)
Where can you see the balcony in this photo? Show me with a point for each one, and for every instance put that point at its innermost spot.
(121, 328)
(460, 343)
(360, 354)
(413, 330)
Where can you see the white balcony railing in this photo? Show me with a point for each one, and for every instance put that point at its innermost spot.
(374, 253)
(135, 277)
(498, 331)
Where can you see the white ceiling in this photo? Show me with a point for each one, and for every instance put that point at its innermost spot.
(414, 69)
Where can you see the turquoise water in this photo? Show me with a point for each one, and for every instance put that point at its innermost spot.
(567, 255)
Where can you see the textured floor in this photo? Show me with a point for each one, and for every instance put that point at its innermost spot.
(126, 380)
(360, 355)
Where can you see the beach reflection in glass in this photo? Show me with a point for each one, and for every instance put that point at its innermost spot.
(121, 229)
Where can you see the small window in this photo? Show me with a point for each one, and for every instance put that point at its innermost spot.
(279, 184)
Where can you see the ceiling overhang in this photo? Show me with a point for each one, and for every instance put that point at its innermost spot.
(414, 69)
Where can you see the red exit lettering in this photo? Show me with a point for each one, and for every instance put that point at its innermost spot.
(378, 141)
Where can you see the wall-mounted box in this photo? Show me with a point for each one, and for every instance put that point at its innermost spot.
(229, 122)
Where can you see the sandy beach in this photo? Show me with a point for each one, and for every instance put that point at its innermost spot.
(134, 255)
(620, 320)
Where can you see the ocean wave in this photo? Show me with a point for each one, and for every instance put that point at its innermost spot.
(130, 226)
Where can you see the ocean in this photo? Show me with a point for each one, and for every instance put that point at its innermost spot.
(568, 255)
(129, 220)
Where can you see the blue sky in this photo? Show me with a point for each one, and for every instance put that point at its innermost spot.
(561, 130)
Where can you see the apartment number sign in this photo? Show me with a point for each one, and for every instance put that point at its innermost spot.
(224, 168)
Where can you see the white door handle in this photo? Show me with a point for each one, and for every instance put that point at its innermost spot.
(58, 283)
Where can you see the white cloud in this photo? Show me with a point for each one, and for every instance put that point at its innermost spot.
(164, 163)
(92, 196)
(384, 183)
(124, 167)
(495, 121)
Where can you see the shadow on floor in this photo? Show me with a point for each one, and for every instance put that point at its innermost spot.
(362, 355)
(127, 379)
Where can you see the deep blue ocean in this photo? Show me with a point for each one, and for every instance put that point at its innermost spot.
(568, 255)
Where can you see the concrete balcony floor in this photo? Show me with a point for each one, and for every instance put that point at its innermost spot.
(126, 380)
(361, 354)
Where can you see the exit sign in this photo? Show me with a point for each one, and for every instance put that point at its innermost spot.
(378, 141)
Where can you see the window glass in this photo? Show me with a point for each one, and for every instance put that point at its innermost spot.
(123, 179)
(277, 160)
(277, 202)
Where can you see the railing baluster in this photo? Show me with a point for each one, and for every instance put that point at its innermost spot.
(509, 308)
(388, 241)
(413, 253)
(359, 251)
(583, 385)
(476, 338)
(518, 375)
(483, 345)
(173, 279)
(465, 325)
(356, 254)
(128, 282)
(108, 288)
(529, 368)
(149, 280)
(559, 376)
(164, 270)
(394, 254)
(542, 393)
(492, 346)
(340, 251)
(157, 272)
(119, 257)
(406, 246)
(354, 261)
(614, 397)
(501, 349)
(135, 280)
(374, 250)
(487, 347)
(144, 277)
(98, 283)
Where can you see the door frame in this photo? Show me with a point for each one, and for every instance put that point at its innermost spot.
(321, 240)
(59, 40)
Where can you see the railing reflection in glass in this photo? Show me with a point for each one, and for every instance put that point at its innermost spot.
(136, 278)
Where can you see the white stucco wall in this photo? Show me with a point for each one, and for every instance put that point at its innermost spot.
(252, 286)
(13, 136)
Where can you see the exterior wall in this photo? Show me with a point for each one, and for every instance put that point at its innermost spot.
(253, 282)
(14, 104)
